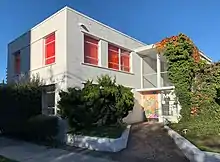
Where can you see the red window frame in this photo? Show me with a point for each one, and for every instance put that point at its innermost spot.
(50, 47)
(91, 50)
(125, 60)
(17, 62)
(113, 57)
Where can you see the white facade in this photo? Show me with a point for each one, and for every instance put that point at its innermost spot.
(69, 68)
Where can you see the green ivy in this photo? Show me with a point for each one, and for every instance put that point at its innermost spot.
(181, 67)
(197, 86)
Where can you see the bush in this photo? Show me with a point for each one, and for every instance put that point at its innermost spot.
(101, 104)
(19, 102)
(42, 128)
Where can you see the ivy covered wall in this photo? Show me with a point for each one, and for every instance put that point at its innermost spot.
(197, 84)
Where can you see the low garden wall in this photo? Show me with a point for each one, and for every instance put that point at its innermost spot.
(191, 151)
(99, 143)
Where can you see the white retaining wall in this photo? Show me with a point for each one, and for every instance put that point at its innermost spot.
(191, 151)
(98, 143)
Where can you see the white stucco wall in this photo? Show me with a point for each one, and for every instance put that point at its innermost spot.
(79, 72)
(31, 46)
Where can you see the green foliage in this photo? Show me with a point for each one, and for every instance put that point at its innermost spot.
(101, 104)
(113, 131)
(181, 67)
(19, 102)
(42, 128)
(197, 87)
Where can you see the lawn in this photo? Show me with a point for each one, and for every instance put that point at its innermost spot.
(110, 131)
(209, 143)
(3, 159)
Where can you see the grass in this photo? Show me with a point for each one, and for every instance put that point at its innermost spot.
(210, 143)
(3, 159)
(109, 132)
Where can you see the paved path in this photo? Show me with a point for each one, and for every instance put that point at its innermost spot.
(26, 152)
(150, 142)
(147, 143)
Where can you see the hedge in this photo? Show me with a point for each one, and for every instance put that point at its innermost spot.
(42, 128)
(20, 112)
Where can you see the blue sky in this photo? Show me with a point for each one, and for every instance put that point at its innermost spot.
(146, 20)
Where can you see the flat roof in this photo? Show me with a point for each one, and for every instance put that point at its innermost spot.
(151, 47)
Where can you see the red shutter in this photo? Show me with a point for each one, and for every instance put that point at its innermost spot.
(113, 59)
(125, 61)
(50, 49)
(90, 50)
(17, 63)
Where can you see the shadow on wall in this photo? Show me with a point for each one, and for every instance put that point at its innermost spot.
(136, 115)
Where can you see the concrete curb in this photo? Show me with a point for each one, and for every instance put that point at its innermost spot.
(99, 144)
(191, 151)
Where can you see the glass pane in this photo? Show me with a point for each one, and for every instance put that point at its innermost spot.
(50, 60)
(50, 50)
(50, 38)
(113, 65)
(90, 53)
(125, 62)
(149, 65)
(150, 81)
(51, 99)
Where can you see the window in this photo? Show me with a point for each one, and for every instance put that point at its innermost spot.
(49, 99)
(125, 61)
(90, 50)
(113, 57)
(50, 49)
(17, 62)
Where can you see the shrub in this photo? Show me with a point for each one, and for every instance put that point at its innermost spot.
(19, 102)
(101, 104)
(42, 128)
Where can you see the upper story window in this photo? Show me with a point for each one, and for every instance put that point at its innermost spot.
(114, 55)
(50, 49)
(91, 50)
(17, 62)
(125, 60)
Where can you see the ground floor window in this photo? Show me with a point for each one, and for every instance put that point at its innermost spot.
(49, 99)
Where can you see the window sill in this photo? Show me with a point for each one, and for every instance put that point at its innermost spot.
(101, 67)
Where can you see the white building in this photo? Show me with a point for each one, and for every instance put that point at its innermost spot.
(68, 48)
